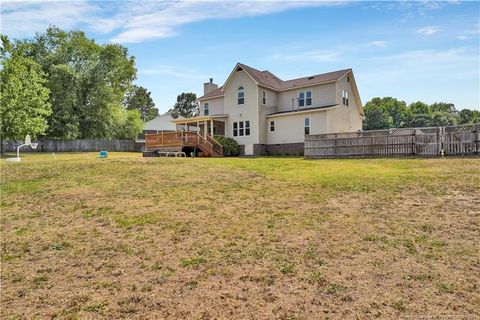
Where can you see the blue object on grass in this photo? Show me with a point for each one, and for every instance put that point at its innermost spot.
(103, 154)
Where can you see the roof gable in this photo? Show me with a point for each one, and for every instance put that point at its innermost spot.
(269, 80)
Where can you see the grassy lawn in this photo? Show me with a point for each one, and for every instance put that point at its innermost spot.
(262, 238)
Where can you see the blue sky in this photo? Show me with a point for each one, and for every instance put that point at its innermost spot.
(411, 50)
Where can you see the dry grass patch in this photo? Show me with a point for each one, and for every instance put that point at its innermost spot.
(286, 238)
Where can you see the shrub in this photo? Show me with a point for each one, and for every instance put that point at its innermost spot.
(230, 146)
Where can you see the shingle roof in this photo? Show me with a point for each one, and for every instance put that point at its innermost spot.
(214, 93)
(268, 79)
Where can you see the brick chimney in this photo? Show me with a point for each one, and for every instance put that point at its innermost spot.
(209, 87)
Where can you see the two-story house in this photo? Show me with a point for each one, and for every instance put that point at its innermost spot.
(267, 115)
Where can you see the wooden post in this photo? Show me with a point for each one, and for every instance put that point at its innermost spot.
(413, 142)
(335, 145)
(211, 127)
(205, 129)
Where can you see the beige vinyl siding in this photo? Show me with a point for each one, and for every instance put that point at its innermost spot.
(322, 95)
(343, 119)
(264, 110)
(289, 128)
(246, 112)
(215, 106)
(349, 118)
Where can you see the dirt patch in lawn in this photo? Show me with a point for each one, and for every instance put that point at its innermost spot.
(240, 238)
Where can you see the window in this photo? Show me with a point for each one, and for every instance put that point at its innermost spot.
(205, 111)
(307, 125)
(241, 128)
(241, 95)
(264, 97)
(309, 98)
(235, 129)
(301, 99)
(305, 98)
(348, 79)
(345, 97)
(272, 126)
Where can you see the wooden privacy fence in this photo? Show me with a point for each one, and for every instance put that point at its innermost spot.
(430, 142)
(79, 145)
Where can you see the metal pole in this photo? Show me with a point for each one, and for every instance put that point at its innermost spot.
(18, 150)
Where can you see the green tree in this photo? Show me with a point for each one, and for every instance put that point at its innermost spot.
(467, 116)
(420, 115)
(376, 115)
(131, 125)
(138, 98)
(186, 105)
(24, 104)
(87, 82)
(64, 122)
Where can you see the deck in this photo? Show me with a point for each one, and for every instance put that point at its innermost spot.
(165, 141)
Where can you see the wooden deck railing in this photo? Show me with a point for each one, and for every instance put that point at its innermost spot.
(183, 139)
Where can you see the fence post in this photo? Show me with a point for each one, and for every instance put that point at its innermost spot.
(414, 140)
(335, 145)
(476, 142)
(441, 132)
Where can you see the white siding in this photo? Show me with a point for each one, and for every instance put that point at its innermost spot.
(322, 95)
(289, 128)
(264, 110)
(345, 118)
(247, 111)
(215, 106)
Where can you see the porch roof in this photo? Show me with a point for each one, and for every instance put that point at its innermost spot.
(194, 120)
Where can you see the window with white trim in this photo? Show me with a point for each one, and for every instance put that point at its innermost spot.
(235, 129)
(345, 97)
(264, 97)
(307, 125)
(272, 126)
(241, 95)
(205, 109)
(305, 98)
(241, 128)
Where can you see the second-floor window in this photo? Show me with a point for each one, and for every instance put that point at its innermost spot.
(241, 95)
(345, 97)
(205, 110)
(305, 98)
(272, 126)
(264, 97)
(241, 128)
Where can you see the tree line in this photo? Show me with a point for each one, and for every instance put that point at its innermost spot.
(388, 112)
(63, 85)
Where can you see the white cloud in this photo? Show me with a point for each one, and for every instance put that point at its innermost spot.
(163, 22)
(20, 19)
(311, 56)
(169, 71)
(133, 21)
(467, 34)
(378, 43)
(429, 30)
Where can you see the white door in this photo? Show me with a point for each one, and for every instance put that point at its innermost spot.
(249, 149)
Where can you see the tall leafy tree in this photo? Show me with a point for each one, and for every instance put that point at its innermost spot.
(87, 82)
(376, 115)
(138, 98)
(186, 105)
(467, 116)
(24, 104)
(130, 126)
